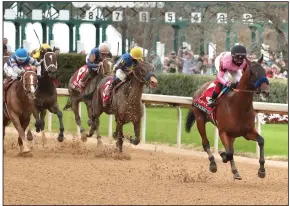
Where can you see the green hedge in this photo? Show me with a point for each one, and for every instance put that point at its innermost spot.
(186, 85)
(168, 84)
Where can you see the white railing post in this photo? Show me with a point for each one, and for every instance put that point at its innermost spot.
(80, 113)
(49, 121)
(179, 126)
(216, 140)
(259, 132)
(110, 127)
(144, 125)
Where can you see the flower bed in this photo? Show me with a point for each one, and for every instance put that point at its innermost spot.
(273, 118)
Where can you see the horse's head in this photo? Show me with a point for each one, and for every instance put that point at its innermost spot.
(144, 73)
(257, 78)
(29, 82)
(107, 66)
(48, 59)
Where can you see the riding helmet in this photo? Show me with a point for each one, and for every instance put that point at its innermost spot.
(21, 55)
(104, 48)
(239, 50)
(136, 53)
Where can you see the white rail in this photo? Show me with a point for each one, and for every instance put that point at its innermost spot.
(179, 102)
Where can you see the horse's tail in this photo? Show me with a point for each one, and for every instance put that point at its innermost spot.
(190, 119)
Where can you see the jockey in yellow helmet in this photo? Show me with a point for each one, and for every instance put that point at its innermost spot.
(36, 55)
(126, 63)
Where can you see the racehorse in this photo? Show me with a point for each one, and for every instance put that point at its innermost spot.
(233, 115)
(75, 96)
(124, 101)
(46, 95)
(18, 105)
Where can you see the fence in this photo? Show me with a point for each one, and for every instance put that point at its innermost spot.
(179, 102)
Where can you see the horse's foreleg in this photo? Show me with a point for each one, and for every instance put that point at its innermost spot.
(119, 132)
(137, 126)
(75, 109)
(89, 111)
(254, 135)
(235, 171)
(21, 139)
(35, 113)
(228, 143)
(42, 117)
(200, 121)
(90, 120)
(55, 109)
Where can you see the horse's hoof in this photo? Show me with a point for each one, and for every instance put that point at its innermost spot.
(26, 154)
(37, 130)
(60, 138)
(84, 137)
(89, 135)
(213, 167)
(115, 135)
(237, 176)
(135, 141)
(262, 173)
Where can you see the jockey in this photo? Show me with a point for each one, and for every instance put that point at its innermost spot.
(36, 55)
(232, 62)
(126, 63)
(94, 59)
(14, 66)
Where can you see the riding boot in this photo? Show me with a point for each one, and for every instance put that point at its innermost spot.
(84, 79)
(212, 100)
(110, 88)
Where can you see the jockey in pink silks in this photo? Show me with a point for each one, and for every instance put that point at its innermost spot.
(228, 63)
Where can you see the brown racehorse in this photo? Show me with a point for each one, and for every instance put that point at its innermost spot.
(235, 117)
(19, 104)
(75, 96)
(125, 102)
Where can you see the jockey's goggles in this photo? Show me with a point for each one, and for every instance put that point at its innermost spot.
(21, 59)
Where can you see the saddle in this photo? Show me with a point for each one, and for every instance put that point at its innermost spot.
(201, 102)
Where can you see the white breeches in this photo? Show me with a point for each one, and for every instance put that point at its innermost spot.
(11, 72)
(121, 75)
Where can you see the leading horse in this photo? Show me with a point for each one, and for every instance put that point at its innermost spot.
(234, 115)
(75, 96)
(46, 95)
(125, 101)
(18, 105)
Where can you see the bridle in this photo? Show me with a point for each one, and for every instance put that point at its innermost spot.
(45, 63)
(24, 84)
(256, 85)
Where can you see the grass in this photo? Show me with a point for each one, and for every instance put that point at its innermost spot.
(161, 127)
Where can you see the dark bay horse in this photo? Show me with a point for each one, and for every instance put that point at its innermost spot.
(235, 117)
(18, 105)
(46, 95)
(75, 96)
(125, 102)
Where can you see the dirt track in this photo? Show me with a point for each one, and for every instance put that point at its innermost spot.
(75, 173)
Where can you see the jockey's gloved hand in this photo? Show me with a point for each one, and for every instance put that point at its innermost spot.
(95, 69)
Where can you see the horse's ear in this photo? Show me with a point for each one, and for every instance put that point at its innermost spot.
(261, 59)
